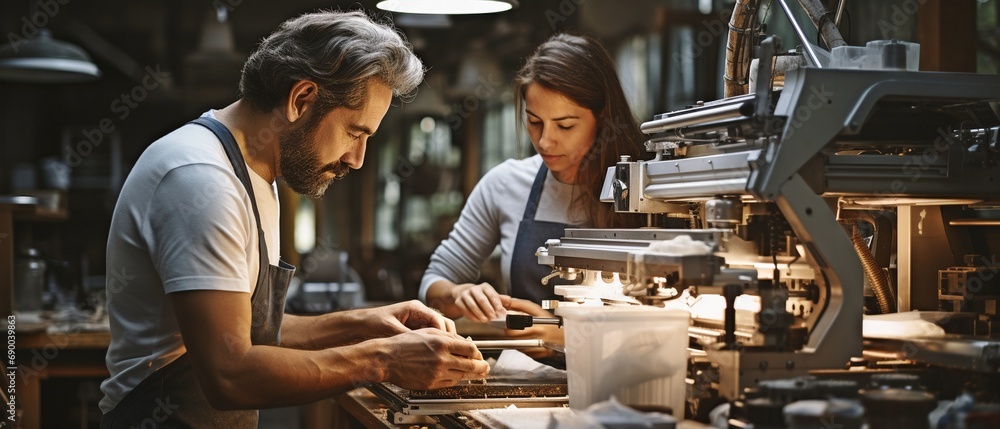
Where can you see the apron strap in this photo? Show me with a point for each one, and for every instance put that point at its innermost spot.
(240, 168)
(536, 193)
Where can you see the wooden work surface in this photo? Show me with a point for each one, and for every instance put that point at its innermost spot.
(42, 356)
(361, 406)
(72, 340)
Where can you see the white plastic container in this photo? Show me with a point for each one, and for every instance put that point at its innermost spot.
(850, 57)
(906, 58)
(636, 353)
(877, 55)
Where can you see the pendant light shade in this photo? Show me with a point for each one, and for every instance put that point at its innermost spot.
(447, 7)
(429, 100)
(44, 59)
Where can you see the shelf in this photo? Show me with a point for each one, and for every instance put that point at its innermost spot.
(41, 215)
(51, 206)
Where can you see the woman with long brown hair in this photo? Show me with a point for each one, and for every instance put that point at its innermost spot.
(572, 104)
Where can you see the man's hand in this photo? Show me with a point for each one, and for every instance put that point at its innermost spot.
(432, 359)
(353, 326)
(403, 317)
(236, 374)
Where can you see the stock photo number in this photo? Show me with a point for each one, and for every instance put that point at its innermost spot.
(10, 389)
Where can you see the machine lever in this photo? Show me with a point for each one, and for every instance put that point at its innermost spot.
(522, 321)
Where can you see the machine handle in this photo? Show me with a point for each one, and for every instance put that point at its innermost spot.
(522, 321)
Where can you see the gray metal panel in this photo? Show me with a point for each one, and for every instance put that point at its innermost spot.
(822, 103)
(648, 234)
(837, 333)
(947, 175)
(704, 176)
(606, 192)
(609, 250)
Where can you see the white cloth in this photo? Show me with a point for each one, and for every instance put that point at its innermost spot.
(183, 222)
(512, 364)
(902, 326)
(492, 216)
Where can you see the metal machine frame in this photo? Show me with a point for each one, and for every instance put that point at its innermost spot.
(788, 155)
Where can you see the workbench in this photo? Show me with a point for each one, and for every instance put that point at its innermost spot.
(360, 407)
(42, 355)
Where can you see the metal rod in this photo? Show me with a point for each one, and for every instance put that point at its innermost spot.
(810, 52)
(547, 321)
(522, 321)
(840, 12)
(712, 126)
(708, 332)
(974, 222)
(700, 116)
(506, 344)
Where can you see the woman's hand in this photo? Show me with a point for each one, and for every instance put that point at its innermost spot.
(479, 302)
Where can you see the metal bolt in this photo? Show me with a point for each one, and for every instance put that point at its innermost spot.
(763, 365)
(789, 364)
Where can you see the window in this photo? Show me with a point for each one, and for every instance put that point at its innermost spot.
(500, 134)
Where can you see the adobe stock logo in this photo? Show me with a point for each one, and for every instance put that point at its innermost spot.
(565, 9)
(460, 111)
(159, 414)
(713, 30)
(900, 17)
(122, 106)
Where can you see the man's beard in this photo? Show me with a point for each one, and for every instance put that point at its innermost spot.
(300, 166)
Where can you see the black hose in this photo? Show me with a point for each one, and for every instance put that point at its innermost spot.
(878, 278)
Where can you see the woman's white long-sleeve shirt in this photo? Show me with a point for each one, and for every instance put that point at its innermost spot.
(491, 216)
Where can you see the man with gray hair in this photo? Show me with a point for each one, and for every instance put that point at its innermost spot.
(196, 290)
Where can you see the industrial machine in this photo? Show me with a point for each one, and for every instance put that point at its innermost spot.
(813, 200)
(845, 184)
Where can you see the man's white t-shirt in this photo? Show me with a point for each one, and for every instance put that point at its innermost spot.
(183, 222)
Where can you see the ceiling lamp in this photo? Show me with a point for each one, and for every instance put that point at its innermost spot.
(422, 20)
(44, 59)
(479, 74)
(428, 100)
(447, 7)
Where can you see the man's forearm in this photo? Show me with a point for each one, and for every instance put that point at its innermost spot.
(294, 376)
(234, 373)
(320, 332)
